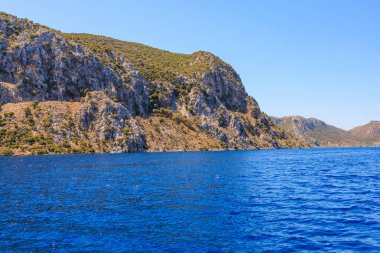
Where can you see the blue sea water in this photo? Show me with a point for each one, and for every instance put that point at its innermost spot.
(310, 200)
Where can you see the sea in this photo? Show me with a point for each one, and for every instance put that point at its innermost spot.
(296, 200)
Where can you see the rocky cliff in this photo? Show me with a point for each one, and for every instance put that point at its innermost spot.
(63, 93)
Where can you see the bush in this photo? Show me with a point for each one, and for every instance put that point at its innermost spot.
(126, 131)
(27, 112)
(9, 114)
(222, 121)
(66, 144)
(2, 121)
(69, 123)
(157, 66)
(85, 147)
(47, 122)
(166, 112)
(33, 36)
(37, 149)
(154, 101)
(177, 118)
(30, 120)
(6, 152)
(30, 140)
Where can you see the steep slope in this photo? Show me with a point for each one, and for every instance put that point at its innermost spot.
(319, 134)
(368, 134)
(85, 93)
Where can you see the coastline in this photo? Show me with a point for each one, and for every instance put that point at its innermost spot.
(187, 151)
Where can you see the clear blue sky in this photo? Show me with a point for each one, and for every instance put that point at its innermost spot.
(315, 58)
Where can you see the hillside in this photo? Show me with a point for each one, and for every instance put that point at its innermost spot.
(82, 93)
(319, 134)
(368, 134)
(156, 65)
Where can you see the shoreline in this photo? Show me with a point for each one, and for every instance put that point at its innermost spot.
(188, 151)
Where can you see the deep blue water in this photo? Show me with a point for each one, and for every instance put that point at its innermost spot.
(325, 200)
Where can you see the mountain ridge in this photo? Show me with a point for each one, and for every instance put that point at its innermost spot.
(81, 93)
(318, 133)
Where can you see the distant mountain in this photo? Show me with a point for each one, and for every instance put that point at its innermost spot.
(313, 131)
(368, 134)
(319, 134)
(81, 93)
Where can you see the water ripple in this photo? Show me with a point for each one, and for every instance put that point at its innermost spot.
(313, 200)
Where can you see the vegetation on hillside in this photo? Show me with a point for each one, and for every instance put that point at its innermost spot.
(90, 98)
(318, 133)
(14, 25)
(155, 65)
(27, 128)
(368, 134)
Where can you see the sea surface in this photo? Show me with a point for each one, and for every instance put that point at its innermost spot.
(309, 200)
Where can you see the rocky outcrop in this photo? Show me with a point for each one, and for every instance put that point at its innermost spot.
(43, 66)
(9, 93)
(108, 121)
(120, 92)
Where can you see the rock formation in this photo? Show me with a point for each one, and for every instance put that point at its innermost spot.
(63, 93)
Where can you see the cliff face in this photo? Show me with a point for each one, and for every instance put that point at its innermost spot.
(319, 134)
(42, 65)
(86, 93)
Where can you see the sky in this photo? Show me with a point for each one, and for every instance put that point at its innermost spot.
(314, 58)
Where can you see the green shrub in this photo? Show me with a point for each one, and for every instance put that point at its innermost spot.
(2, 121)
(157, 128)
(6, 152)
(222, 121)
(166, 112)
(47, 122)
(9, 114)
(157, 66)
(30, 120)
(30, 140)
(27, 112)
(33, 36)
(85, 147)
(154, 101)
(126, 131)
(37, 149)
(177, 118)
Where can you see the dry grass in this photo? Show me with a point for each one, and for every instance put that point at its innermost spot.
(165, 134)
